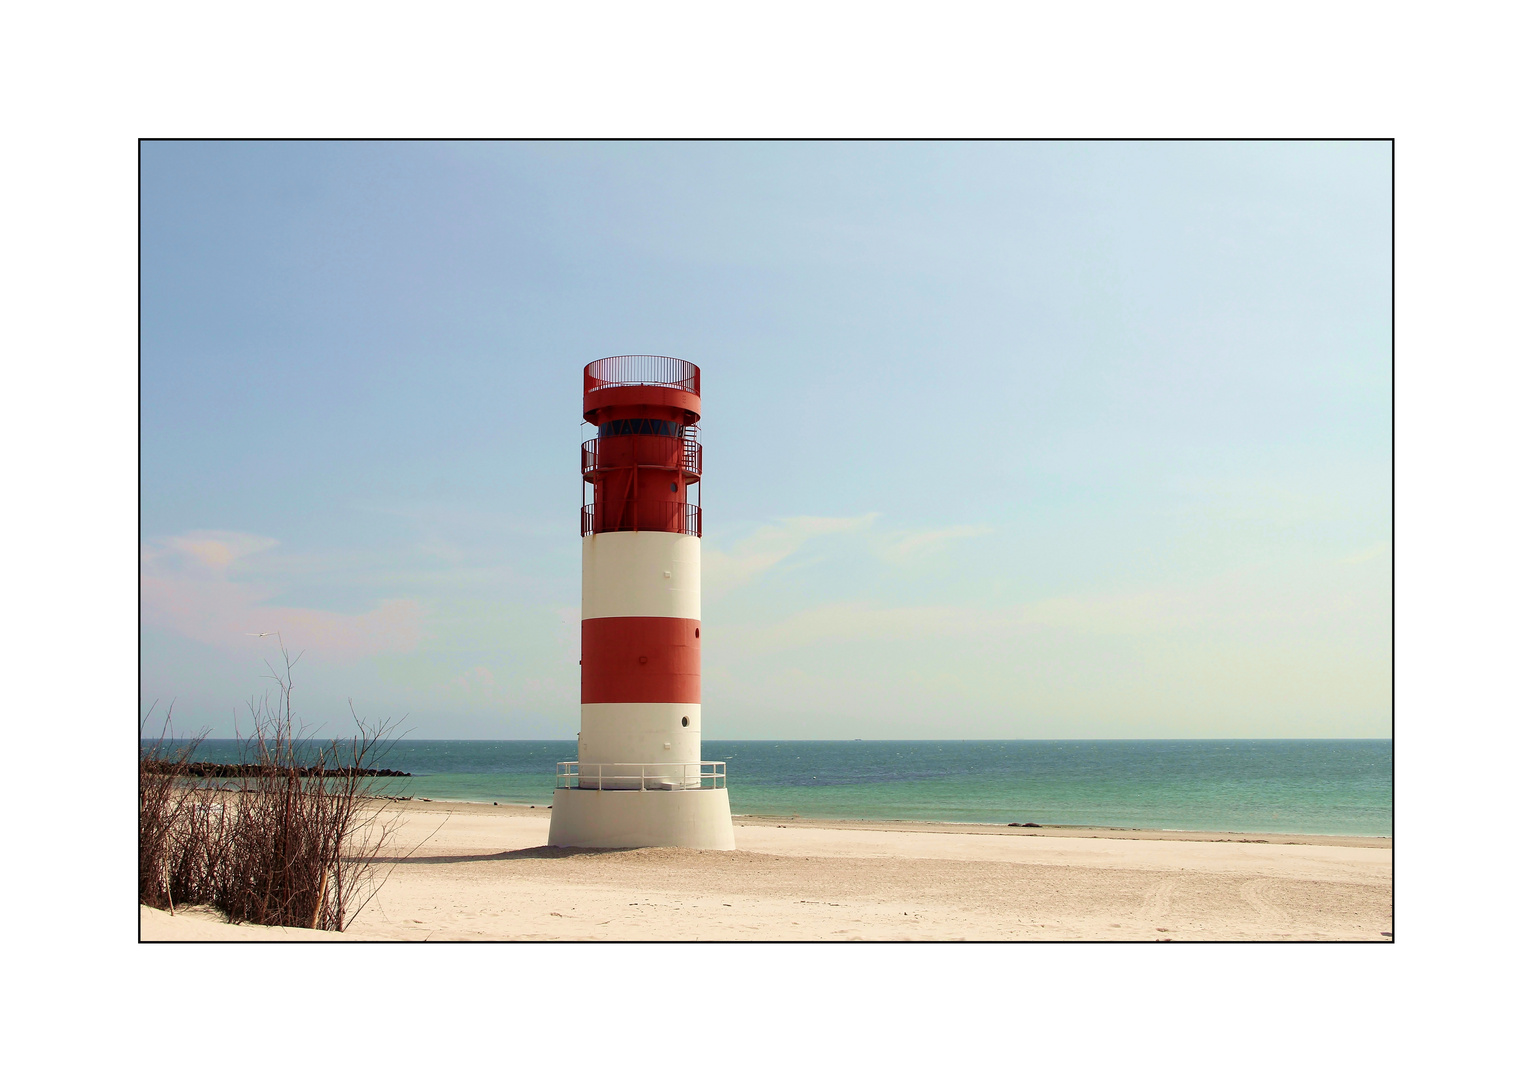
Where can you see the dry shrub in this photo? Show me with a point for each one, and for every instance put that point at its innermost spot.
(286, 845)
(166, 808)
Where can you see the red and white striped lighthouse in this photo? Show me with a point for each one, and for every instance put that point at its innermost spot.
(640, 780)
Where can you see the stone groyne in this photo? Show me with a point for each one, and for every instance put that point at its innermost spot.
(216, 770)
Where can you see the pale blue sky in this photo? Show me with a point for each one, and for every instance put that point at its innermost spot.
(1003, 440)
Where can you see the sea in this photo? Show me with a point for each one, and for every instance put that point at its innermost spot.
(1335, 787)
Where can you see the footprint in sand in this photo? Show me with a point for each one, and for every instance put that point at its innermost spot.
(1256, 893)
(1156, 901)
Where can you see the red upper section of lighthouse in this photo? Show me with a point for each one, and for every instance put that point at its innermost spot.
(645, 409)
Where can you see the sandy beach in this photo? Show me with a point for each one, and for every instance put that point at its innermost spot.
(472, 872)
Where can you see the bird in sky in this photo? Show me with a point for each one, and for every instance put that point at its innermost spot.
(268, 633)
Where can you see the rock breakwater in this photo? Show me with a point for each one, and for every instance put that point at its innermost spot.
(219, 771)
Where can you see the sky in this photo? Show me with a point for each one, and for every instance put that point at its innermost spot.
(1002, 440)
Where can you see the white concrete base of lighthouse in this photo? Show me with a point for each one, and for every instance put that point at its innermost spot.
(634, 819)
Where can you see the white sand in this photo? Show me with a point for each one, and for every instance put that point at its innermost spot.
(481, 873)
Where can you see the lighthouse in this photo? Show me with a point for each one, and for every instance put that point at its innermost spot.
(640, 780)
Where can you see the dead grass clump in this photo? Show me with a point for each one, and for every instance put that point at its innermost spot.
(292, 842)
(165, 809)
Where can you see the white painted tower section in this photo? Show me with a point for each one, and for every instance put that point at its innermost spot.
(643, 574)
(649, 575)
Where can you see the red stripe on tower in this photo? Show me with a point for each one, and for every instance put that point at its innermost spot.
(641, 659)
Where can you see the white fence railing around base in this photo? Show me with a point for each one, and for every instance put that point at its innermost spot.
(649, 776)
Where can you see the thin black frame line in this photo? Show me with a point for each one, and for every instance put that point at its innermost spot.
(1393, 459)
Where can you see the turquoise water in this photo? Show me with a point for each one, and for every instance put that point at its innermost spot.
(1323, 786)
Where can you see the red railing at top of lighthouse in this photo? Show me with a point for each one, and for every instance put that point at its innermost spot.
(643, 371)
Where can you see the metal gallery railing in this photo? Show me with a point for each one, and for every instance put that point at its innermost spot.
(643, 371)
(643, 776)
(683, 518)
(641, 451)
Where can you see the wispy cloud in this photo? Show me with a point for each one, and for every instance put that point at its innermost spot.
(1368, 554)
(476, 681)
(188, 586)
(1243, 648)
(767, 546)
(216, 550)
(1228, 601)
(913, 546)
